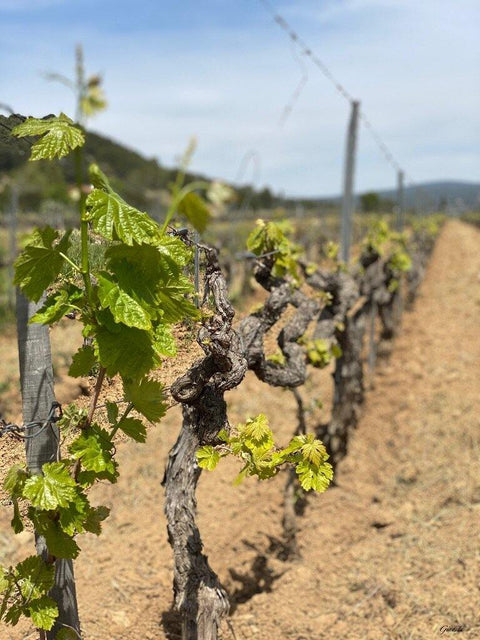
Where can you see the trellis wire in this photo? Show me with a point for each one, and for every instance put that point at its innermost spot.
(17, 430)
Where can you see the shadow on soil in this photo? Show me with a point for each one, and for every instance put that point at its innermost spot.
(260, 577)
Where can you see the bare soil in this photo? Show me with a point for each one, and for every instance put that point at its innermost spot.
(390, 552)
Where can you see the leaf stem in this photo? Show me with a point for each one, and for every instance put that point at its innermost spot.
(125, 414)
(85, 268)
(96, 393)
(178, 197)
(70, 262)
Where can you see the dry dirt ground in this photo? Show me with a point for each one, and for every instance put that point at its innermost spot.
(391, 552)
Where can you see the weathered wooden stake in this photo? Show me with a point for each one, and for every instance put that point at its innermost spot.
(400, 202)
(348, 201)
(12, 242)
(36, 378)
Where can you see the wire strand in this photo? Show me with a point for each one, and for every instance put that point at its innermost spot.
(307, 51)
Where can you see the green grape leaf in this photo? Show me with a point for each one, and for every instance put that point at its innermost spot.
(5, 582)
(123, 306)
(313, 477)
(59, 543)
(55, 488)
(82, 362)
(40, 262)
(112, 412)
(147, 398)
(72, 517)
(98, 179)
(57, 305)
(207, 457)
(154, 279)
(114, 219)
(73, 417)
(173, 303)
(35, 576)
(94, 519)
(15, 480)
(43, 612)
(88, 478)
(134, 428)
(129, 352)
(175, 250)
(257, 434)
(315, 452)
(193, 207)
(60, 136)
(93, 447)
(16, 522)
(164, 339)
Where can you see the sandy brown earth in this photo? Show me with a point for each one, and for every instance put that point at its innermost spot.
(391, 552)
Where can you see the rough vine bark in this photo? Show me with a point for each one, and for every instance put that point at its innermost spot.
(293, 371)
(343, 321)
(199, 596)
(422, 244)
(36, 376)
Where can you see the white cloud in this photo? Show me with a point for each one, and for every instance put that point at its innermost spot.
(415, 69)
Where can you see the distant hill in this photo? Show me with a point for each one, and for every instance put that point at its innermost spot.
(440, 195)
(140, 180)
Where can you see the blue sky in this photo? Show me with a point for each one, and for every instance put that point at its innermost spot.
(222, 70)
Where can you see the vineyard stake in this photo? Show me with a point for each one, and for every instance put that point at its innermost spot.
(348, 202)
(36, 377)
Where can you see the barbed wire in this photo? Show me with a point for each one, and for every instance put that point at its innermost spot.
(340, 88)
(16, 430)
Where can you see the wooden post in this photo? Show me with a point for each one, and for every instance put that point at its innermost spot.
(400, 202)
(348, 201)
(36, 378)
(12, 242)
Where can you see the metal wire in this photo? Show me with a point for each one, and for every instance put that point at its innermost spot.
(307, 51)
(54, 415)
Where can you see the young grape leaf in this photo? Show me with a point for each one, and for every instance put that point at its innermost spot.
(82, 362)
(114, 219)
(57, 305)
(193, 207)
(207, 457)
(123, 306)
(147, 398)
(72, 517)
(60, 136)
(35, 575)
(94, 519)
(15, 480)
(129, 352)
(40, 262)
(59, 543)
(43, 612)
(55, 488)
(256, 434)
(315, 452)
(93, 447)
(164, 340)
(112, 412)
(16, 522)
(134, 428)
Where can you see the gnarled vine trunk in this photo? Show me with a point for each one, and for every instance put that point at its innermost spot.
(199, 596)
(349, 389)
